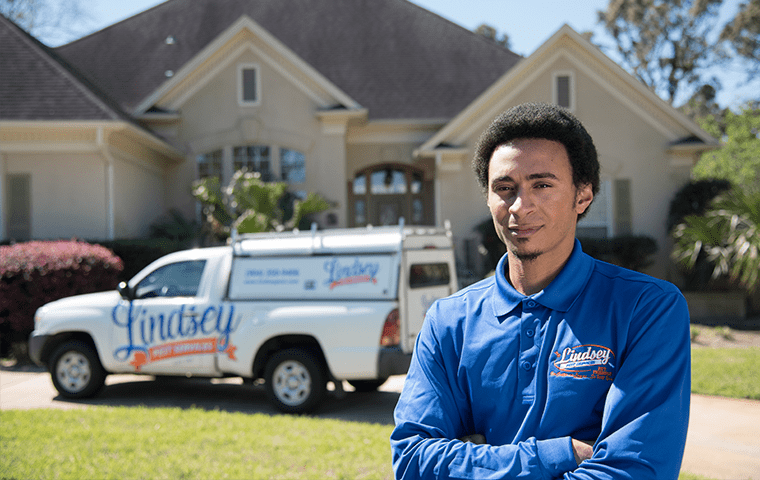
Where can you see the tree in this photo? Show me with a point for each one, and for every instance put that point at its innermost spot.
(738, 160)
(728, 235)
(48, 20)
(250, 205)
(743, 34)
(490, 33)
(664, 43)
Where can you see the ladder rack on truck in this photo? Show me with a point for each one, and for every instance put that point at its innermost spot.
(341, 241)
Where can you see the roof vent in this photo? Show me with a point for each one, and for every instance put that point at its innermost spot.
(169, 73)
(170, 40)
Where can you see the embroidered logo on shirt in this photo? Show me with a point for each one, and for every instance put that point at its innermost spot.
(585, 361)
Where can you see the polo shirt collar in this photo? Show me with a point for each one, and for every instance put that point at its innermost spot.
(559, 295)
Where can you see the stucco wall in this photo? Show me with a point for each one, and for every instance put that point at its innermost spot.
(213, 119)
(631, 145)
(67, 193)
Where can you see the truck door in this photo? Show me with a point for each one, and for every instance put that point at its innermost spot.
(168, 328)
(427, 275)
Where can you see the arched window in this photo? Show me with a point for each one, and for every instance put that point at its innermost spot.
(382, 194)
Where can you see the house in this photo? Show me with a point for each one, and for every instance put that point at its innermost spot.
(376, 105)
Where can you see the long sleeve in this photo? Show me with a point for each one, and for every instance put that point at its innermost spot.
(646, 411)
(431, 415)
(602, 355)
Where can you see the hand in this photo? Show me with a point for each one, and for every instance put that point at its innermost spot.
(582, 450)
(476, 438)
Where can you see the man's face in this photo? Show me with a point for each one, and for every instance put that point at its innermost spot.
(533, 201)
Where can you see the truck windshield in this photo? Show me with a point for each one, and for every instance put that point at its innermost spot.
(180, 279)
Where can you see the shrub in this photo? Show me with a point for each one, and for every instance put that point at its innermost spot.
(35, 273)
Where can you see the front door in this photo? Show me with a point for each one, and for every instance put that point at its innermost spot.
(382, 194)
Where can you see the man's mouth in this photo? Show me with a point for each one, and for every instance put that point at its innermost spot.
(520, 231)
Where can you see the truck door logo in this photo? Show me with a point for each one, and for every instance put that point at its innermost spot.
(349, 274)
(160, 336)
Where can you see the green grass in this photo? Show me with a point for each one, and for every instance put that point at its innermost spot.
(726, 372)
(169, 443)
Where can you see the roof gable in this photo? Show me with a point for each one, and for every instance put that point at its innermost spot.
(390, 56)
(36, 84)
(245, 34)
(568, 44)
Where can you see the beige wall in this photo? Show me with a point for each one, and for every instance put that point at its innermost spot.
(90, 183)
(213, 119)
(139, 201)
(631, 145)
(67, 193)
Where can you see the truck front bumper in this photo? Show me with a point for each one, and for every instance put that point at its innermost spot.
(393, 361)
(36, 346)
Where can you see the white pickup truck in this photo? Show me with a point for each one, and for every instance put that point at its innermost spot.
(297, 310)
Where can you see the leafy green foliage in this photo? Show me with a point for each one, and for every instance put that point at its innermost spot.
(727, 234)
(739, 158)
(249, 205)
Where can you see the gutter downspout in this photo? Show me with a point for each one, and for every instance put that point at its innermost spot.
(108, 161)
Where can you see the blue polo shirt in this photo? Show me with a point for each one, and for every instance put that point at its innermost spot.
(602, 354)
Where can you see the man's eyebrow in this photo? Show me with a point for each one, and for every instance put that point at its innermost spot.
(532, 176)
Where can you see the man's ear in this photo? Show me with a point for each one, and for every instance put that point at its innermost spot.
(583, 197)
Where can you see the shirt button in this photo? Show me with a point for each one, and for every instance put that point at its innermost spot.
(531, 304)
(530, 333)
(526, 365)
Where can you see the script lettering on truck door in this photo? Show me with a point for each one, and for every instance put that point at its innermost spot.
(167, 327)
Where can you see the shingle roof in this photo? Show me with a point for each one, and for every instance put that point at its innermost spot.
(36, 84)
(391, 56)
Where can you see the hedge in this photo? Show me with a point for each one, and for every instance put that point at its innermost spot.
(38, 272)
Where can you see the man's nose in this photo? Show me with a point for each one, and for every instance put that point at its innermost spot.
(521, 204)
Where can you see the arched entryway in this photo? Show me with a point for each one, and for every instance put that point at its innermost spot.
(381, 194)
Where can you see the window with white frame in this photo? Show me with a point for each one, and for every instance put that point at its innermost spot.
(563, 89)
(249, 85)
(210, 164)
(598, 220)
(254, 158)
(292, 166)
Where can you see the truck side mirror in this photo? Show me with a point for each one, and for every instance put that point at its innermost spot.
(124, 291)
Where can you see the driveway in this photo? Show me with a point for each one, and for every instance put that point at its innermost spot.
(723, 441)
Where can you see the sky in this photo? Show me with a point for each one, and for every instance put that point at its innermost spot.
(528, 23)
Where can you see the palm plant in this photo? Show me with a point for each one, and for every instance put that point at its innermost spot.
(249, 205)
(727, 235)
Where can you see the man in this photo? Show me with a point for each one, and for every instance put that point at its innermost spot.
(558, 366)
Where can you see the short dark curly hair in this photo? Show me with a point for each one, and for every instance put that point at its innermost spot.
(546, 121)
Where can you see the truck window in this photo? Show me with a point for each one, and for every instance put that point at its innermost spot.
(429, 275)
(180, 279)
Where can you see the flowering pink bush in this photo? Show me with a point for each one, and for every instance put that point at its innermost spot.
(35, 273)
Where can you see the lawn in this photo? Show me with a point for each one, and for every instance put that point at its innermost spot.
(174, 443)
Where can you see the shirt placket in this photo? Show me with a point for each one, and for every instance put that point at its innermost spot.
(530, 331)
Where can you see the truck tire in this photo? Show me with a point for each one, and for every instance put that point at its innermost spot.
(367, 385)
(295, 381)
(76, 370)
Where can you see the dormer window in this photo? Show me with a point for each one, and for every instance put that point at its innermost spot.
(249, 85)
(564, 90)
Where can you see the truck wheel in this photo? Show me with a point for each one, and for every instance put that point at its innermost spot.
(295, 381)
(76, 370)
(367, 385)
